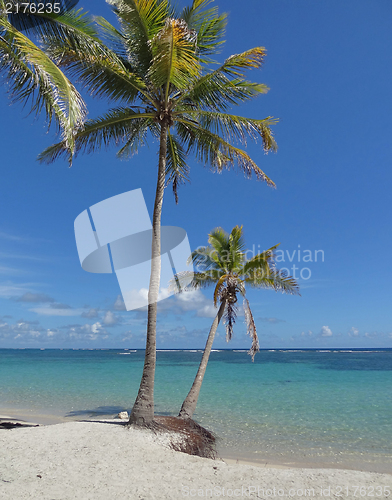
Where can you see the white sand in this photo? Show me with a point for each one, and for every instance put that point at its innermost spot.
(90, 460)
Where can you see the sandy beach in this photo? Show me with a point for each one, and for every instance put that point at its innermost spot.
(105, 460)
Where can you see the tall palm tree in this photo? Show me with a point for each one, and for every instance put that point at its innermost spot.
(224, 264)
(159, 77)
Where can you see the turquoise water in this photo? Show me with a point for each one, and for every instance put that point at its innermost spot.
(318, 407)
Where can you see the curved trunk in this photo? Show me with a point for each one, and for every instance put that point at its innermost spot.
(143, 409)
(189, 405)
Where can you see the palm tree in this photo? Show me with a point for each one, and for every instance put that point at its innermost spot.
(224, 264)
(159, 77)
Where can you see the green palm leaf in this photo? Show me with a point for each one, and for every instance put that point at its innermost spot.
(174, 57)
(177, 169)
(263, 261)
(233, 127)
(226, 85)
(112, 128)
(44, 24)
(280, 281)
(213, 150)
(219, 288)
(181, 281)
(33, 75)
(140, 21)
(208, 24)
(105, 75)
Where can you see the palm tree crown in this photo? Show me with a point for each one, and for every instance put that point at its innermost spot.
(157, 68)
(224, 264)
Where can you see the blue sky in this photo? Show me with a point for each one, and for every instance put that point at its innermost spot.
(328, 67)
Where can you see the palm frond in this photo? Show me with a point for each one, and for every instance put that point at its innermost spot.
(102, 72)
(174, 58)
(181, 282)
(213, 150)
(208, 24)
(229, 318)
(235, 253)
(262, 262)
(251, 330)
(177, 169)
(114, 127)
(226, 85)
(111, 37)
(208, 278)
(219, 289)
(136, 137)
(140, 21)
(236, 64)
(236, 240)
(218, 239)
(40, 22)
(279, 280)
(238, 128)
(34, 77)
(205, 258)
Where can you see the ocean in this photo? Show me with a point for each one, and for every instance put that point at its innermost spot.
(329, 408)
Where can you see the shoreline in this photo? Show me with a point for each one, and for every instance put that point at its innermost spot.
(100, 461)
(243, 457)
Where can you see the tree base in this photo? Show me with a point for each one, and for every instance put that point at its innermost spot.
(196, 440)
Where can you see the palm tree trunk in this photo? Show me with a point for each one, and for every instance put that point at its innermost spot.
(189, 405)
(143, 409)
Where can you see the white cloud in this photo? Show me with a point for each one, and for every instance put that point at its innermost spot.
(11, 290)
(326, 331)
(272, 320)
(50, 311)
(21, 330)
(119, 304)
(354, 332)
(60, 305)
(11, 270)
(309, 333)
(127, 336)
(188, 301)
(35, 297)
(110, 319)
(92, 313)
(87, 332)
(194, 300)
(137, 299)
(207, 311)
(371, 335)
(52, 332)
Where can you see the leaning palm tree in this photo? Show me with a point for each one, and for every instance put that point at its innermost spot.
(159, 77)
(224, 264)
